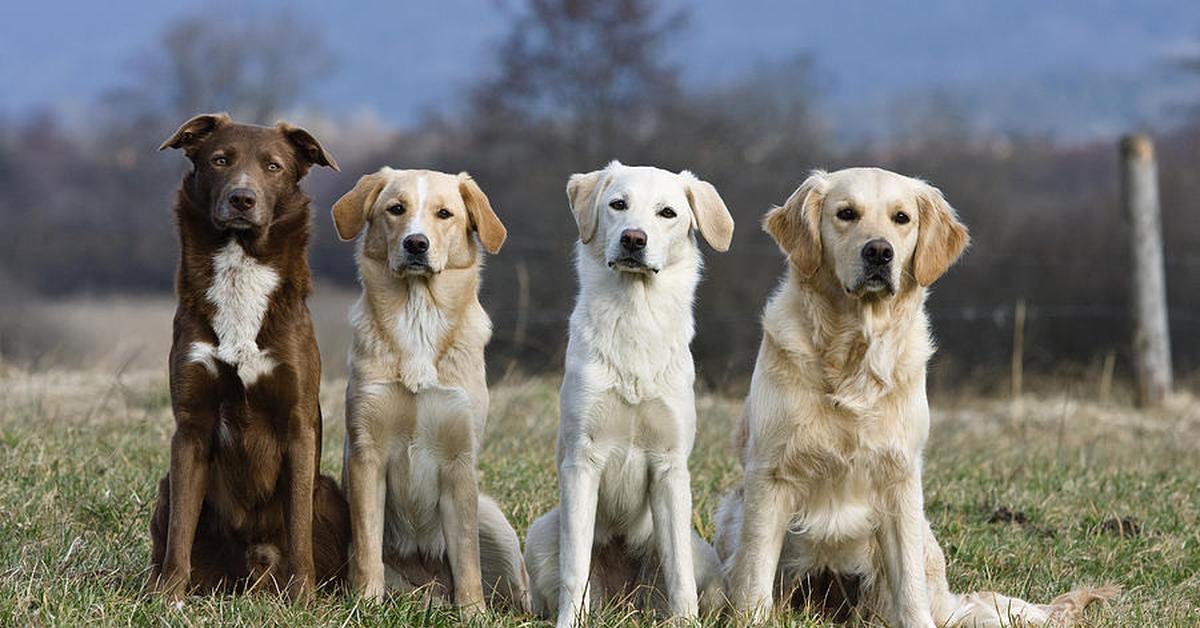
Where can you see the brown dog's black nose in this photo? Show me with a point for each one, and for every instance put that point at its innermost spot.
(633, 239)
(416, 244)
(243, 199)
(878, 252)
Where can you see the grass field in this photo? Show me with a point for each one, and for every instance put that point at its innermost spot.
(1071, 493)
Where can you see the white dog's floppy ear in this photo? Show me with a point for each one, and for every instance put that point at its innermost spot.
(796, 225)
(583, 191)
(711, 216)
(351, 210)
(483, 219)
(941, 238)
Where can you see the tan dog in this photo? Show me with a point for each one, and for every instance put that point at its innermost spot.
(417, 398)
(836, 420)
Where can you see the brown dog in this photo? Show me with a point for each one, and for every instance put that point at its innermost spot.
(244, 503)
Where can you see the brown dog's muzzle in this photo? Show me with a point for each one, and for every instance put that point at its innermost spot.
(239, 208)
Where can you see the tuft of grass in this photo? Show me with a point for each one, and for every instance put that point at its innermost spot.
(1070, 493)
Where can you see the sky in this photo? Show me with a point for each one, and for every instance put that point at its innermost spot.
(398, 59)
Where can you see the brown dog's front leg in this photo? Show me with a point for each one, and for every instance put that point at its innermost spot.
(188, 479)
(301, 461)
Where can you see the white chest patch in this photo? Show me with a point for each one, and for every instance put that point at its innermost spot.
(241, 291)
(418, 333)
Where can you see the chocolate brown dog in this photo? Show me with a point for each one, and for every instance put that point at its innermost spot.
(244, 504)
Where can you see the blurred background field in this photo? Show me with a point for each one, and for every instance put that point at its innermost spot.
(1014, 109)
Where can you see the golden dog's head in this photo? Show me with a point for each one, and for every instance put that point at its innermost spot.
(419, 222)
(875, 231)
(641, 219)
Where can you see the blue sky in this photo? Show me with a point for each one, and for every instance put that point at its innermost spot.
(397, 58)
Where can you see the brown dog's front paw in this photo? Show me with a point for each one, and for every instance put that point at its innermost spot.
(171, 585)
(301, 588)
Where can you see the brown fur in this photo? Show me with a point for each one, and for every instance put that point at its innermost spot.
(243, 500)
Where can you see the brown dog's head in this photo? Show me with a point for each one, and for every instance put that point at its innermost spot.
(876, 231)
(241, 172)
(419, 222)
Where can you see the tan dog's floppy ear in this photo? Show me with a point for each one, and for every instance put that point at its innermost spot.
(483, 219)
(712, 217)
(307, 146)
(194, 130)
(350, 211)
(941, 238)
(583, 191)
(796, 225)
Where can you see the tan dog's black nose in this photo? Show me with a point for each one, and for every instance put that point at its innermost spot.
(416, 244)
(878, 252)
(633, 239)
(242, 199)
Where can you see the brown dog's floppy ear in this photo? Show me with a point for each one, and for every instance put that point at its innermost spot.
(483, 218)
(711, 216)
(307, 146)
(583, 191)
(796, 225)
(194, 130)
(941, 238)
(350, 211)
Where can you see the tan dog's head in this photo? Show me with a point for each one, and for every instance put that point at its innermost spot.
(640, 219)
(876, 231)
(419, 222)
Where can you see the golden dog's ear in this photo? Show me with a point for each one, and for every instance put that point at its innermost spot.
(709, 213)
(307, 147)
(193, 131)
(796, 225)
(483, 219)
(941, 238)
(583, 191)
(351, 210)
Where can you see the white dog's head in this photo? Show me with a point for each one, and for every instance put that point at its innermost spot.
(875, 230)
(640, 219)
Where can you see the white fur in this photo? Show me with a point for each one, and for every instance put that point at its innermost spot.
(627, 413)
(241, 291)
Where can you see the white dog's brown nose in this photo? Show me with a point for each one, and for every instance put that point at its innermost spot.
(633, 239)
(878, 252)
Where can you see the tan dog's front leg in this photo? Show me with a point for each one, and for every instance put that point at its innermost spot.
(301, 460)
(459, 506)
(764, 524)
(901, 541)
(366, 492)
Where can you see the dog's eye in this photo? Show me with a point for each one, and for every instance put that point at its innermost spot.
(444, 213)
(901, 218)
(667, 212)
(618, 204)
(274, 167)
(847, 214)
(396, 209)
(220, 160)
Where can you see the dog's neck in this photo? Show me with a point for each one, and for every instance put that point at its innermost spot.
(639, 325)
(863, 345)
(415, 319)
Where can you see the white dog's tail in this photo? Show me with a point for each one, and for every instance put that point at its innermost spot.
(993, 610)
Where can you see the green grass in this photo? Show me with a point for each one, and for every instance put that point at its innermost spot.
(80, 455)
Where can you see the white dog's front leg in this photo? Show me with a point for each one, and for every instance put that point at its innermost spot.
(671, 509)
(579, 491)
(765, 514)
(901, 541)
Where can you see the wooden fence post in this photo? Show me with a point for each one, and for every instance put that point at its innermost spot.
(1151, 338)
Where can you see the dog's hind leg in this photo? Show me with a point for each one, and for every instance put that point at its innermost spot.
(505, 581)
(541, 559)
(331, 533)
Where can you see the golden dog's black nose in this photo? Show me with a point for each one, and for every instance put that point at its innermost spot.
(878, 252)
(633, 239)
(416, 244)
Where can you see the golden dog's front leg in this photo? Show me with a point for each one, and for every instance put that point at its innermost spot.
(901, 539)
(765, 515)
(366, 493)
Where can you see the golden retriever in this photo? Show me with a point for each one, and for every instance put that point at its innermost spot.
(417, 398)
(836, 421)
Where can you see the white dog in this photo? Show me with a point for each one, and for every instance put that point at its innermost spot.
(836, 421)
(628, 413)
